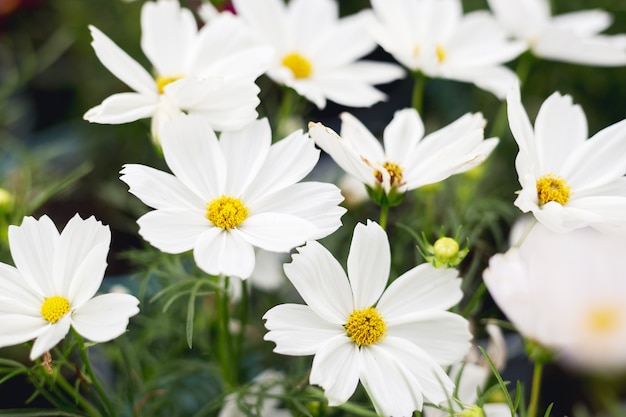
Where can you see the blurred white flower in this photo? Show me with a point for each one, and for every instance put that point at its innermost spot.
(316, 52)
(570, 37)
(230, 195)
(436, 38)
(569, 181)
(209, 72)
(567, 292)
(394, 340)
(259, 399)
(53, 284)
(409, 159)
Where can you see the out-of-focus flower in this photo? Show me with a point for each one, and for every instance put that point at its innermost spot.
(393, 340)
(7, 201)
(259, 399)
(353, 190)
(52, 286)
(570, 37)
(569, 181)
(408, 159)
(208, 72)
(230, 195)
(436, 38)
(316, 52)
(566, 291)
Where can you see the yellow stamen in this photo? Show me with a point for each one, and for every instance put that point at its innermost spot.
(226, 212)
(366, 327)
(552, 188)
(603, 319)
(441, 53)
(395, 173)
(416, 51)
(54, 308)
(299, 65)
(163, 81)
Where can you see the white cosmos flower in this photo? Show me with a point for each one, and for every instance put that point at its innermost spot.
(52, 286)
(569, 181)
(567, 292)
(409, 159)
(434, 37)
(394, 340)
(570, 37)
(316, 52)
(209, 72)
(229, 195)
(259, 399)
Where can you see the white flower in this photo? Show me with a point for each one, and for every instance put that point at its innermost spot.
(570, 37)
(409, 159)
(567, 292)
(393, 340)
(209, 72)
(434, 37)
(259, 399)
(316, 51)
(228, 196)
(569, 181)
(52, 286)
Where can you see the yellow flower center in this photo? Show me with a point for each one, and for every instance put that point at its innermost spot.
(395, 173)
(552, 188)
(162, 81)
(54, 308)
(226, 212)
(366, 327)
(603, 319)
(299, 65)
(441, 53)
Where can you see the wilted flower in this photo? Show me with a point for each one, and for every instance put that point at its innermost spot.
(230, 195)
(316, 52)
(436, 38)
(393, 340)
(571, 37)
(53, 285)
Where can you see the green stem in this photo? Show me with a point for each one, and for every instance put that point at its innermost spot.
(243, 319)
(529, 227)
(92, 375)
(417, 98)
(535, 389)
(62, 382)
(285, 111)
(225, 342)
(384, 210)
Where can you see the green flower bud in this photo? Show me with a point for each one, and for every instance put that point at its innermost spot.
(474, 411)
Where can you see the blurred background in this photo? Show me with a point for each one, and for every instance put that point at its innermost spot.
(53, 162)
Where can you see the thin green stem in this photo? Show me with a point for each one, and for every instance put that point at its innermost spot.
(384, 211)
(92, 375)
(243, 318)
(529, 227)
(225, 343)
(535, 390)
(417, 97)
(78, 398)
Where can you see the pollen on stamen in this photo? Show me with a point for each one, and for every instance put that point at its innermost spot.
(441, 53)
(603, 319)
(226, 212)
(299, 65)
(162, 81)
(366, 327)
(395, 173)
(54, 308)
(552, 188)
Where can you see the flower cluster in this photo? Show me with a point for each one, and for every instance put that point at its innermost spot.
(242, 189)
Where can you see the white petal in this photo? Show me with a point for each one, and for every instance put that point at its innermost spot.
(360, 139)
(13, 286)
(420, 289)
(121, 65)
(50, 337)
(222, 252)
(267, 19)
(443, 335)
(583, 22)
(173, 231)
(123, 108)
(321, 282)
(17, 328)
(104, 317)
(80, 258)
(404, 132)
(498, 80)
(276, 232)
(336, 368)
(192, 152)
(168, 50)
(520, 125)
(311, 20)
(33, 248)
(297, 330)
(159, 189)
(369, 262)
